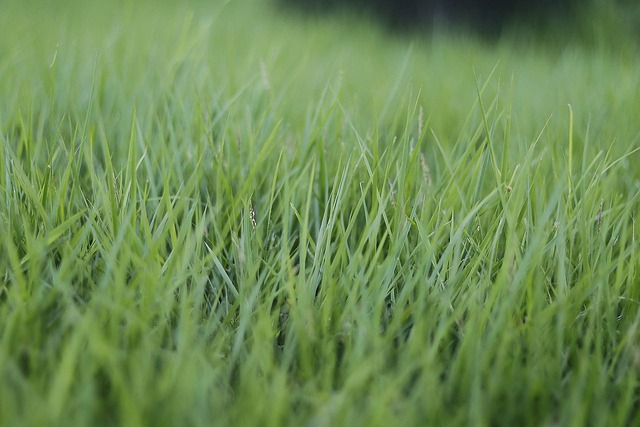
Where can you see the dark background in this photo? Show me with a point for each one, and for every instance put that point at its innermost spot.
(486, 15)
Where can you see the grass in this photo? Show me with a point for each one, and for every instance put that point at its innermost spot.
(219, 214)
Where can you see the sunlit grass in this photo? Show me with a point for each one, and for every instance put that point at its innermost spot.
(219, 214)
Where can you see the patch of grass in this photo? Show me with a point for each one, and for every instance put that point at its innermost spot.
(214, 214)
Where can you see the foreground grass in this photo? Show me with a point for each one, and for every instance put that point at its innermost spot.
(211, 214)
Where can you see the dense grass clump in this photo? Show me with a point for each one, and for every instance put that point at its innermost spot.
(212, 214)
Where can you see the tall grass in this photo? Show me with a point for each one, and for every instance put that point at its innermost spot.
(212, 214)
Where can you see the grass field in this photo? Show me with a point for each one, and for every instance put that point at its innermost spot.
(223, 214)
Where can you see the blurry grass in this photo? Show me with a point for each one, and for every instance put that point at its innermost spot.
(214, 214)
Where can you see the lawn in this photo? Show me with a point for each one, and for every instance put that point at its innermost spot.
(225, 213)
